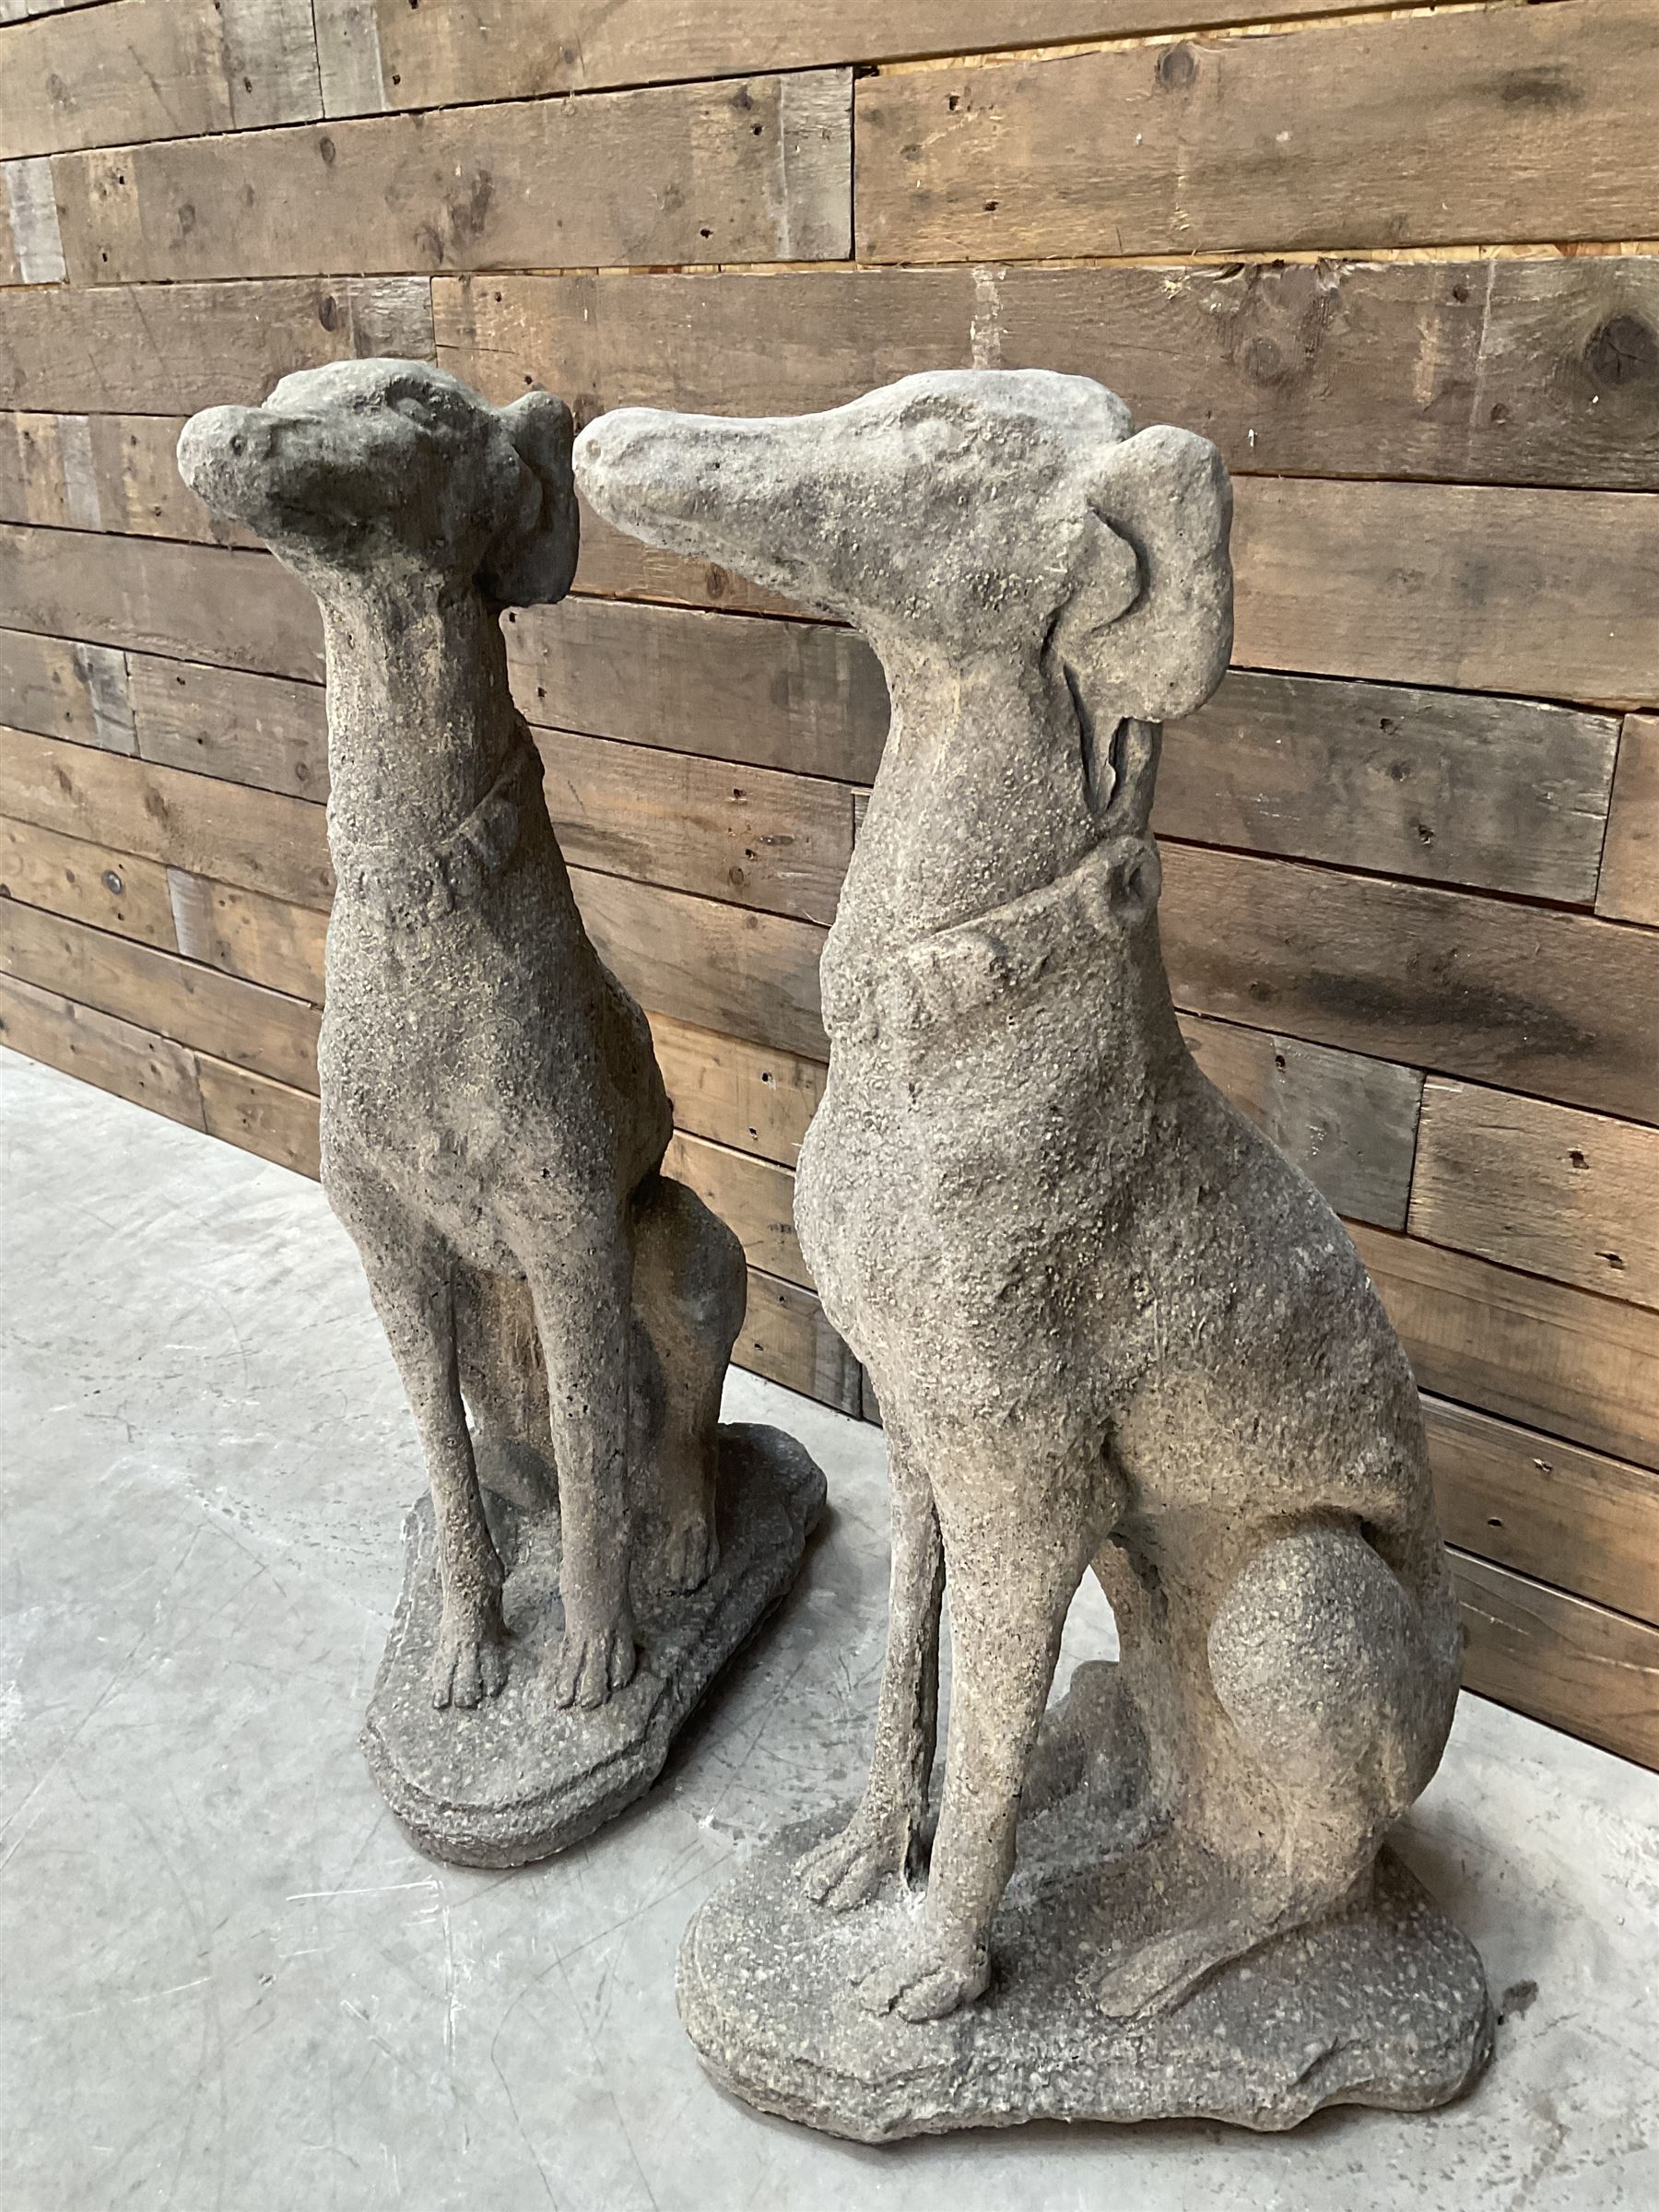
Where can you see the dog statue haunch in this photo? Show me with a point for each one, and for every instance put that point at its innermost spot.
(493, 1118)
(1108, 1324)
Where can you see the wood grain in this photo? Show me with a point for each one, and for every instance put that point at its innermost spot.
(1538, 369)
(192, 1006)
(65, 690)
(1560, 1660)
(749, 835)
(754, 171)
(1408, 130)
(1532, 1351)
(1555, 1004)
(446, 50)
(170, 348)
(1546, 593)
(103, 472)
(1573, 1517)
(266, 940)
(1348, 1123)
(743, 1095)
(89, 882)
(749, 976)
(754, 1197)
(266, 731)
(785, 1337)
(102, 1049)
(805, 696)
(1572, 1196)
(260, 841)
(200, 602)
(1502, 793)
(1629, 873)
(258, 1115)
(147, 69)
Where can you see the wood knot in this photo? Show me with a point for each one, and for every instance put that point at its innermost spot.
(1624, 350)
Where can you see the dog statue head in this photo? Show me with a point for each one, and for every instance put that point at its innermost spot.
(968, 513)
(373, 468)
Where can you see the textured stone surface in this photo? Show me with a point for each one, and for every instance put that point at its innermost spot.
(1383, 2004)
(493, 1119)
(521, 1777)
(1109, 1324)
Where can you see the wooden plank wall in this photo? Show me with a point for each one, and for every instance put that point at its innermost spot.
(1399, 263)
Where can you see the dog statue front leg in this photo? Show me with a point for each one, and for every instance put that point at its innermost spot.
(410, 1277)
(583, 1297)
(849, 1867)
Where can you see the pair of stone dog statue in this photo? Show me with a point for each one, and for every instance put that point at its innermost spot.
(1109, 1326)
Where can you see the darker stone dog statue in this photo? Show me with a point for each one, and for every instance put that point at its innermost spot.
(493, 1117)
(1108, 1322)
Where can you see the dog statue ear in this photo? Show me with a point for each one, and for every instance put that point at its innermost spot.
(1148, 629)
(533, 560)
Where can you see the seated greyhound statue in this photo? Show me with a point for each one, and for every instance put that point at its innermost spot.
(1109, 1324)
(493, 1118)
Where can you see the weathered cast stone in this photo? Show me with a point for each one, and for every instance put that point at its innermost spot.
(493, 1129)
(1109, 1324)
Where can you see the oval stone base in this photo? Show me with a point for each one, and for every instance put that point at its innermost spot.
(518, 1778)
(1384, 2005)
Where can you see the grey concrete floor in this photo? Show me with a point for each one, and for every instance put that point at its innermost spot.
(230, 1986)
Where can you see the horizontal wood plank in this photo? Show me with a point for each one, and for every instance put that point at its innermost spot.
(1560, 1660)
(747, 975)
(65, 690)
(1532, 1351)
(102, 1049)
(743, 1095)
(170, 348)
(88, 883)
(805, 696)
(749, 835)
(103, 472)
(1499, 793)
(1348, 1123)
(258, 1115)
(193, 603)
(755, 171)
(260, 841)
(447, 51)
(149, 69)
(267, 731)
(754, 1197)
(1573, 1517)
(785, 1337)
(1572, 1196)
(1493, 124)
(1555, 1004)
(1629, 873)
(266, 940)
(1546, 594)
(192, 1006)
(1535, 370)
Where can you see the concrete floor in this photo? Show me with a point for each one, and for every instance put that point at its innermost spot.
(230, 1985)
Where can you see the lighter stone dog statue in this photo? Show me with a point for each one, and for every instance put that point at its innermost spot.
(1109, 1324)
(493, 1120)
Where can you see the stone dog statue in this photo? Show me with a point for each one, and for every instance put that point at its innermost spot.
(1109, 1324)
(493, 1117)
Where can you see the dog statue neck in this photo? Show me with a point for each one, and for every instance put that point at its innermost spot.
(982, 796)
(422, 723)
